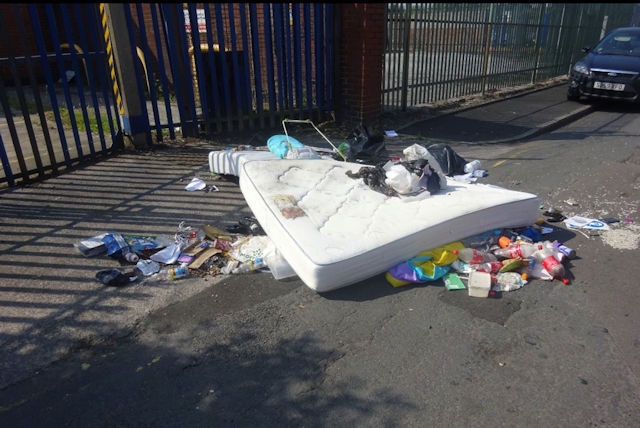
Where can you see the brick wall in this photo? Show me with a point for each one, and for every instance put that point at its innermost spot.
(15, 42)
(361, 54)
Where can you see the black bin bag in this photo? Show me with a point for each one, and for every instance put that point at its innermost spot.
(366, 146)
(449, 162)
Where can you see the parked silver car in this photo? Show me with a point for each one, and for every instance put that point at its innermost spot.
(610, 70)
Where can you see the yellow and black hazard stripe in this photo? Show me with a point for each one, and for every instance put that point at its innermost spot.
(112, 66)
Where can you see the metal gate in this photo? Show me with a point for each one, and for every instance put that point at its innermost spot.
(195, 70)
(57, 103)
(442, 51)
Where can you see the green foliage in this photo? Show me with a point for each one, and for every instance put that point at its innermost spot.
(65, 118)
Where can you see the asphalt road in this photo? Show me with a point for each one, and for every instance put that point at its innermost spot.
(252, 351)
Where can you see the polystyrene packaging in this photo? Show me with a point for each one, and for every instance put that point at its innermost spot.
(479, 284)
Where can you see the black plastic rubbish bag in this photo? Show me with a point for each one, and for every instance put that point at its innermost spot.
(365, 146)
(450, 162)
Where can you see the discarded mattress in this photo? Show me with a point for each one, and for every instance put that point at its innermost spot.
(227, 162)
(334, 230)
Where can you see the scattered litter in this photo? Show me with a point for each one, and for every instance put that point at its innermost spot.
(93, 246)
(245, 247)
(148, 267)
(479, 284)
(115, 278)
(246, 226)
(554, 215)
(208, 250)
(610, 220)
(452, 281)
(169, 254)
(196, 184)
(578, 222)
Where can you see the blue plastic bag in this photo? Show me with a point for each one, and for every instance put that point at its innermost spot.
(280, 145)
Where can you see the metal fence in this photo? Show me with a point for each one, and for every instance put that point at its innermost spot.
(442, 51)
(79, 81)
(233, 66)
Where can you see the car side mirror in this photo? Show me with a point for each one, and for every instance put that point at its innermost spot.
(586, 49)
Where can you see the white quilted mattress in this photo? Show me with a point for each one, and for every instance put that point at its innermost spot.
(227, 162)
(334, 230)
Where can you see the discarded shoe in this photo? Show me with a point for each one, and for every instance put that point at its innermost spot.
(115, 278)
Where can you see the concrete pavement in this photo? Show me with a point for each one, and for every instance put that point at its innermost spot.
(509, 117)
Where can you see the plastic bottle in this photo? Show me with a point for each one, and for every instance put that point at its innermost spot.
(131, 257)
(472, 166)
(546, 257)
(536, 271)
(559, 255)
(461, 267)
(474, 256)
(514, 251)
(343, 148)
(249, 266)
(174, 273)
(489, 267)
